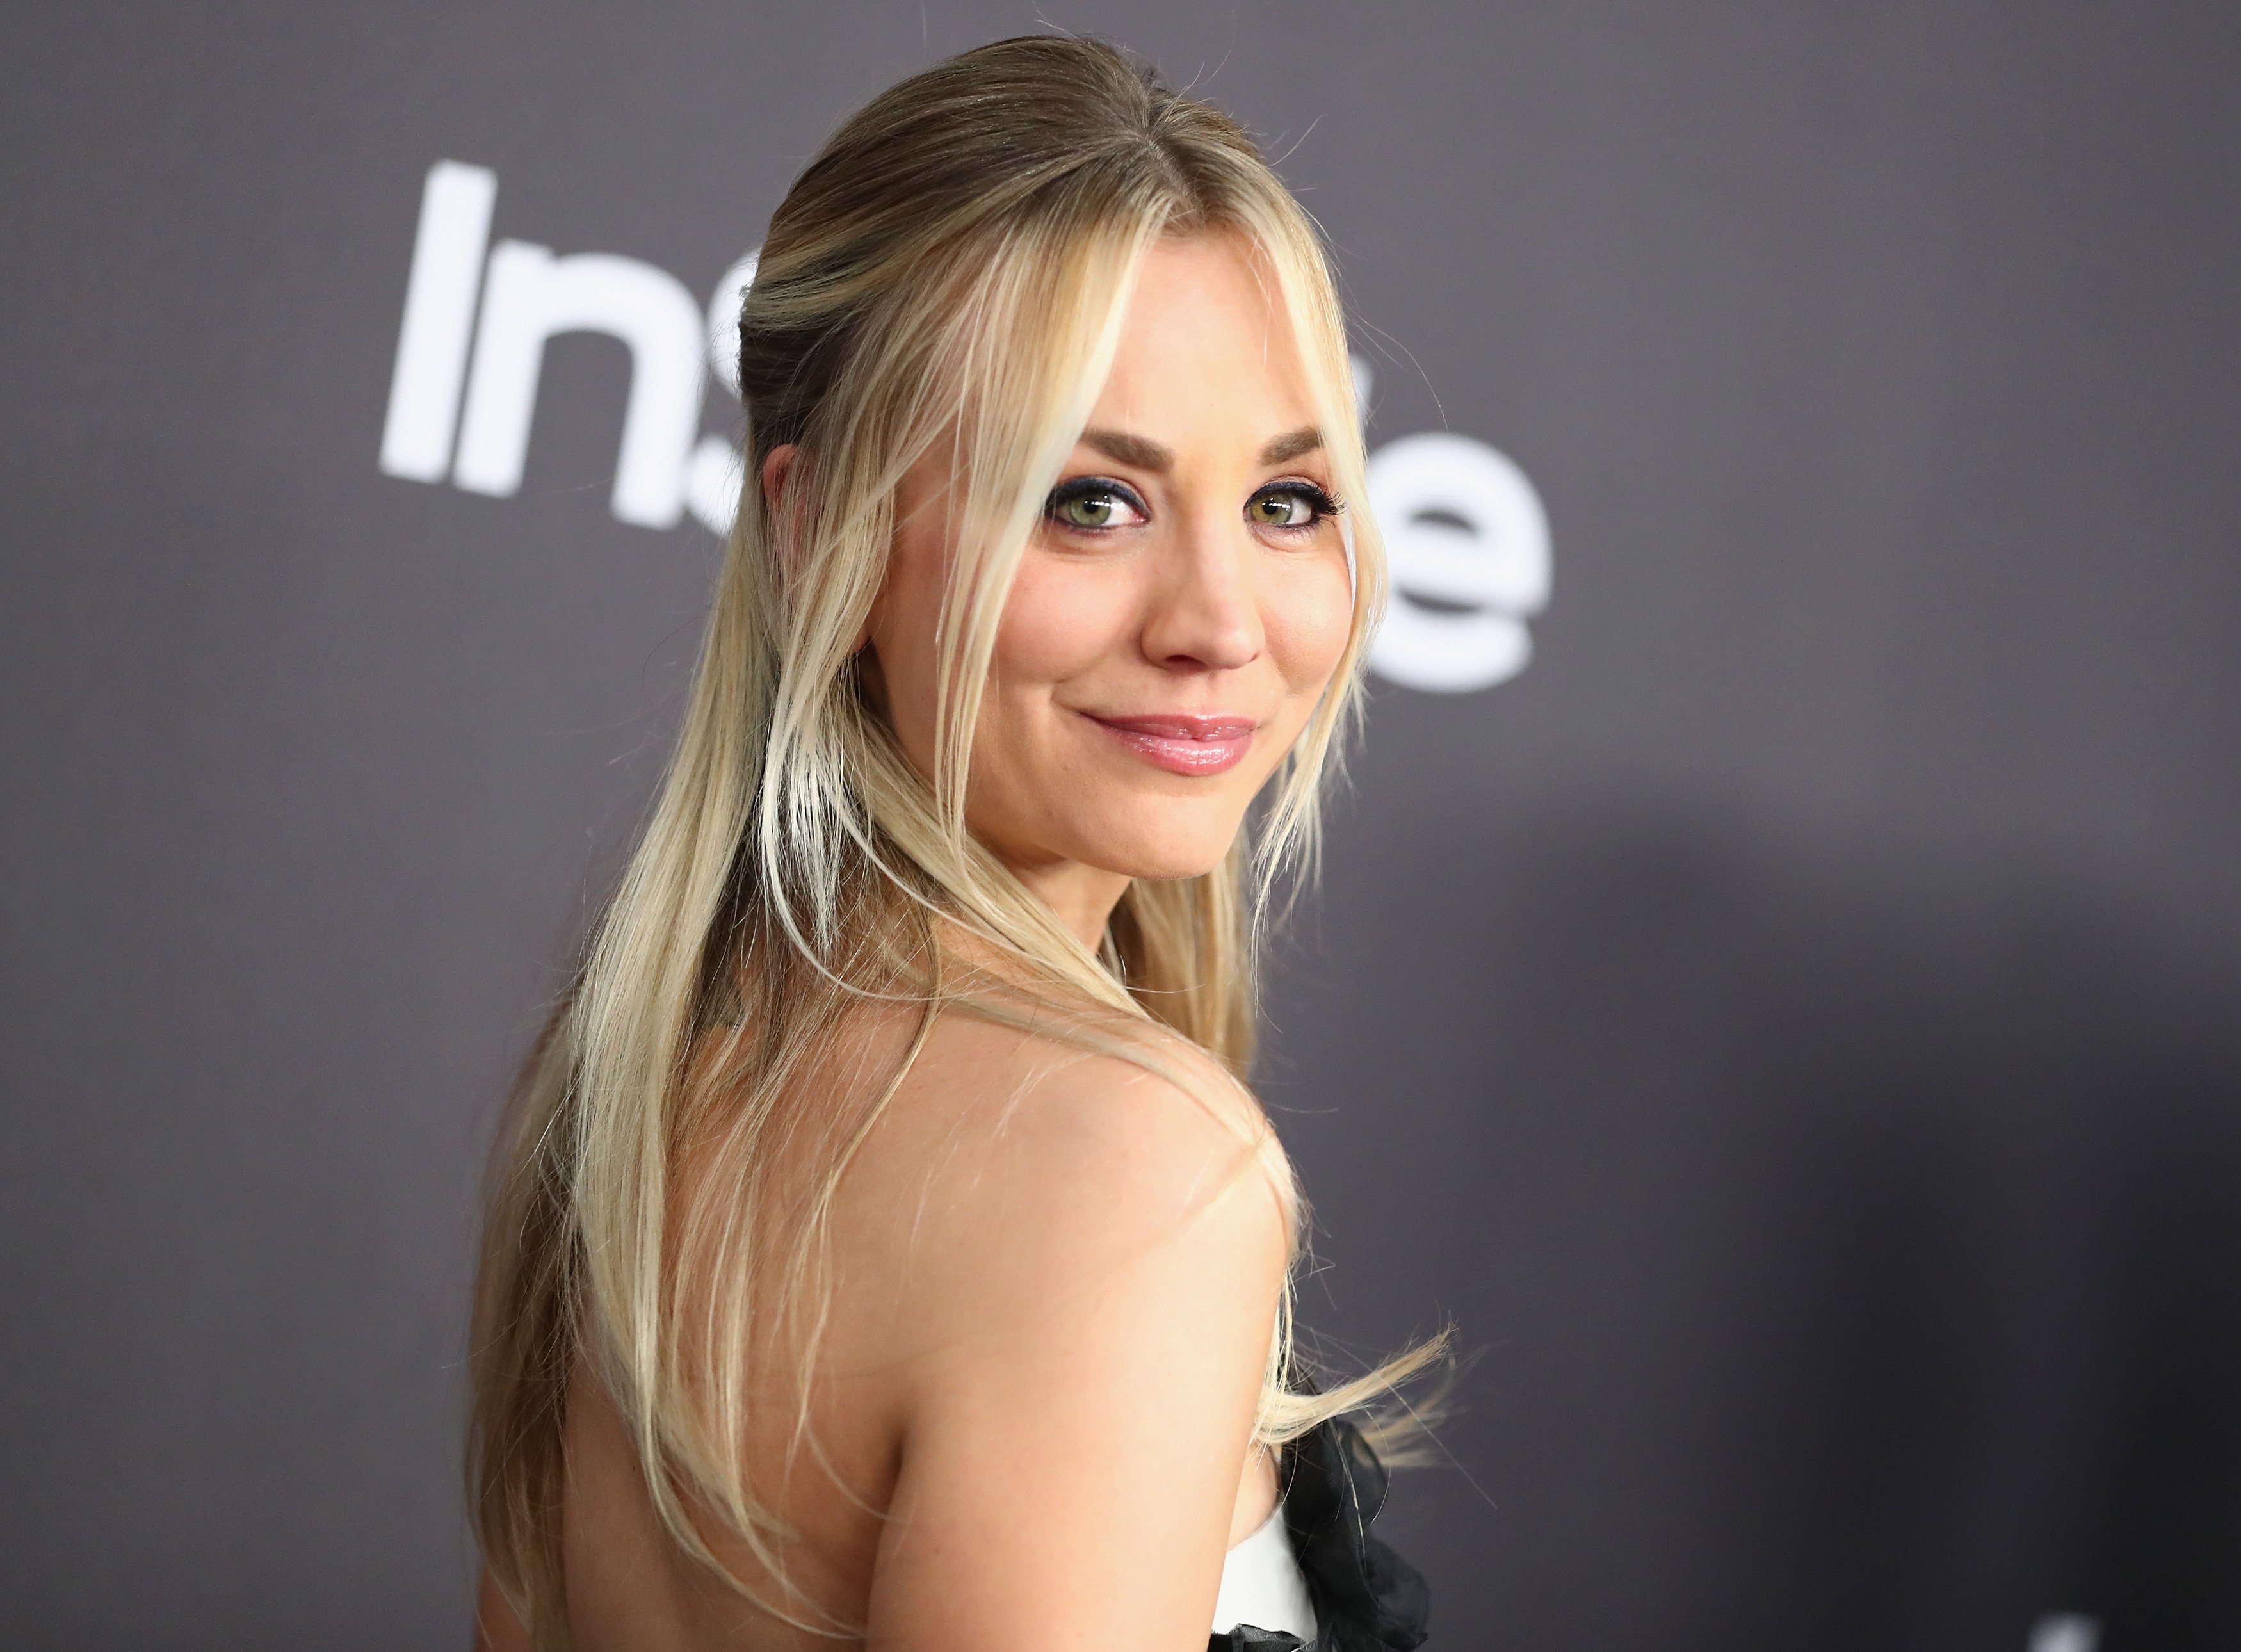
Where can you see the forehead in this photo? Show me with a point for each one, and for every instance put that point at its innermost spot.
(1205, 346)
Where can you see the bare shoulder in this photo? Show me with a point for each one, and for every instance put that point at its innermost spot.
(1015, 1172)
(1080, 1257)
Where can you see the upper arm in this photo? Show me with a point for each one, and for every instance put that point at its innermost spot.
(1096, 1286)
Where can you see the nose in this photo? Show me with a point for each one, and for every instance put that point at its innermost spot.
(1205, 613)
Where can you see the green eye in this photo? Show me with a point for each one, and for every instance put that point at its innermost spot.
(1088, 504)
(1087, 509)
(1288, 507)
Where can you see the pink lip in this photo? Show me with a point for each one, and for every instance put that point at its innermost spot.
(1183, 744)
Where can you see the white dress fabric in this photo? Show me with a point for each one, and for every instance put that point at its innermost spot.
(1262, 1585)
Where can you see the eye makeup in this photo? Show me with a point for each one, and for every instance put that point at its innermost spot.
(1096, 503)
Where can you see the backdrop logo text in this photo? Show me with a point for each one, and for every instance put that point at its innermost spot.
(1466, 534)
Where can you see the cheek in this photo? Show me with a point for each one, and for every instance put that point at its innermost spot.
(1063, 618)
(1307, 610)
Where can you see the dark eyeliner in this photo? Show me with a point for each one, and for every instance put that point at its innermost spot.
(1324, 504)
(1085, 487)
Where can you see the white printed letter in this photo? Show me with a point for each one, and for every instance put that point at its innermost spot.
(724, 319)
(1465, 533)
(439, 309)
(714, 474)
(530, 295)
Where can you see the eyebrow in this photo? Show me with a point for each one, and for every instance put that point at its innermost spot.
(1291, 444)
(1140, 450)
(1149, 455)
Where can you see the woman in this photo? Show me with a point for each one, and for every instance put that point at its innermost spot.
(886, 1247)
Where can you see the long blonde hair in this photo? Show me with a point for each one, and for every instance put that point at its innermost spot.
(952, 268)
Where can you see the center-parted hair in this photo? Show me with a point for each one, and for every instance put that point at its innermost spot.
(947, 277)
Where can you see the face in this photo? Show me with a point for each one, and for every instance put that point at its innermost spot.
(1177, 615)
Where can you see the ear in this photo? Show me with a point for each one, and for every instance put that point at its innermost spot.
(778, 464)
(780, 516)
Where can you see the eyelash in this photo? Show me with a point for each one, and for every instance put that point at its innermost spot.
(1320, 501)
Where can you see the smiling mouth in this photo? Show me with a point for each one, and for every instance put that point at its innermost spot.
(1182, 744)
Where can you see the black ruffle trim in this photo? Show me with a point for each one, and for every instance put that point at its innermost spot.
(1246, 1638)
(1366, 1598)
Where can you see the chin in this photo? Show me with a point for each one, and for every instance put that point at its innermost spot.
(1163, 857)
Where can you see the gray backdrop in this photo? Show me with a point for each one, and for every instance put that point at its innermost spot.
(1790, 1027)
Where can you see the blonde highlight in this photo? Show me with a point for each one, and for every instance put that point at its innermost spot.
(952, 267)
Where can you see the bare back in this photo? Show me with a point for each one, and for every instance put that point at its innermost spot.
(1054, 1278)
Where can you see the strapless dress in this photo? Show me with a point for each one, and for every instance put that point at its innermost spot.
(1312, 1579)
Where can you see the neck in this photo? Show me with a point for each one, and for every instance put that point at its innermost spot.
(1082, 897)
